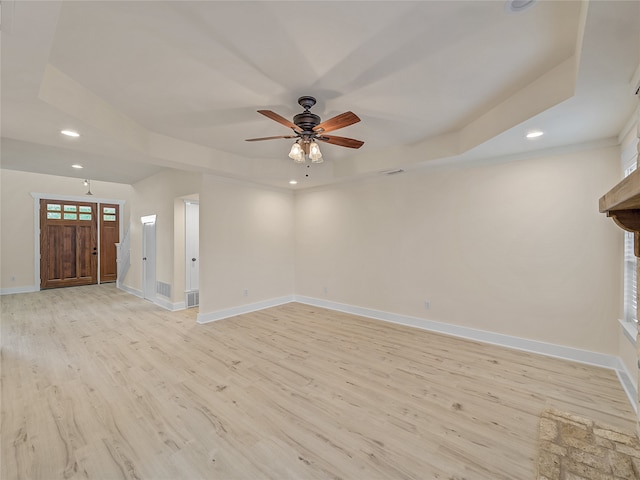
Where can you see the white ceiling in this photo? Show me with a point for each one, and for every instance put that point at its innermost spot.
(151, 84)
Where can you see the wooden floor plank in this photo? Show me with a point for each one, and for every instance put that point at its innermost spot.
(98, 384)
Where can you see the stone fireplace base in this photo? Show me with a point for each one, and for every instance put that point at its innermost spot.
(575, 448)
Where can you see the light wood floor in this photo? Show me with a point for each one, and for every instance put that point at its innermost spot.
(99, 384)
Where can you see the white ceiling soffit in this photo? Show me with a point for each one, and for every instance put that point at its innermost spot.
(177, 84)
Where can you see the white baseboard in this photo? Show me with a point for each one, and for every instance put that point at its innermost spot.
(166, 303)
(131, 290)
(179, 306)
(241, 309)
(611, 362)
(628, 384)
(26, 289)
(159, 300)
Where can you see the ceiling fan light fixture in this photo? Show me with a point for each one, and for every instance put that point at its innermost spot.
(296, 153)
(314, 153)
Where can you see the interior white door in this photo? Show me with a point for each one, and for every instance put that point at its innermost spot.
(192, 246)
(149, 260)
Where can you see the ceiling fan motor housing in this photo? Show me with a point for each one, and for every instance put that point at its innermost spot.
(306, 120)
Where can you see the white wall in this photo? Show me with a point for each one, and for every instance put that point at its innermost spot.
(517, 248)
(17, 219)
(246, 243)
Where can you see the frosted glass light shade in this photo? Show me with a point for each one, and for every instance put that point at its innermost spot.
(296, 153)
(314, 153)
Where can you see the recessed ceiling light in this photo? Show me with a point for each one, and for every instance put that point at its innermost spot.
(293, 182)
(70, 133)
(534, 134)
(517, 6)
(75, 165)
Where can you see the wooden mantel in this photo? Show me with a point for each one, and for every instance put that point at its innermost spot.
(622, 204)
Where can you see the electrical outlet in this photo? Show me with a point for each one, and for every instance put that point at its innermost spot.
(427, 304)
(246, 292)
(13, 278)
(325, 290)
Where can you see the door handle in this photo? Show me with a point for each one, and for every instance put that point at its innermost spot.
(144, 258)
(193, 259)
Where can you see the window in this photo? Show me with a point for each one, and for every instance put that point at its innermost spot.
(54, 211)
(109, 214)
(69, 211)
(630, 271)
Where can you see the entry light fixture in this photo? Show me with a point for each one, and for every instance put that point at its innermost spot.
(77, 165)
(87, 183)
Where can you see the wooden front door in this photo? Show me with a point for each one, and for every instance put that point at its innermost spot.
(68, 243)
(109, 236)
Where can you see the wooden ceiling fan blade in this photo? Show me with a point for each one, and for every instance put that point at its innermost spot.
(280, 119)
(341, 141)
(339, 121)
(269, 138)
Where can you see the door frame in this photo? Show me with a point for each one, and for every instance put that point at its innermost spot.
(36, 224)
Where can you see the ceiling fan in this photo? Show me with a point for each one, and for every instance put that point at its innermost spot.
(307, 128)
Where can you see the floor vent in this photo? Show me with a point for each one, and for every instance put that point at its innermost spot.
(163, 289)
(193, 299)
